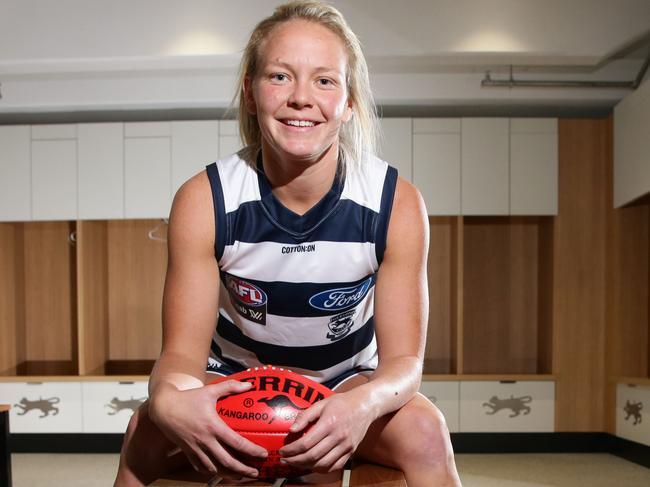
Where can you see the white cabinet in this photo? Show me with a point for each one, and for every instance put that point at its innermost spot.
(632, 146)
(195, 144)
(396, 145)
(108, 406)
(533, 166)
(632, 404)
(446, 396)
(436, 164)
(101, 171)
(54, 177)
(48, 407)
(229, 141)
(15, 173)
(147, 170)
(485, 166)
(492, 406)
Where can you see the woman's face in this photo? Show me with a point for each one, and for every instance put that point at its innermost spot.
(299, 93)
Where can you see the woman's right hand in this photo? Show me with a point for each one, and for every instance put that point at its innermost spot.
(190, 420)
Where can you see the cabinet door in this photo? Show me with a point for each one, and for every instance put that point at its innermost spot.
(195, 144)
(48, 407)
(436, 171)
(54, 179)
(533, 167)
(396, 145)
(15, 173)
(632, 404)
(229, 141)
(108, 406)
(485, 166)
(147, 181)
(490, 406)
(446, 396)
(101, 171)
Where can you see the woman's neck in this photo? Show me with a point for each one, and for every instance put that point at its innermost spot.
(298, 184)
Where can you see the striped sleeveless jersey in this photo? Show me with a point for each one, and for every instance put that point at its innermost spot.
(298, 291)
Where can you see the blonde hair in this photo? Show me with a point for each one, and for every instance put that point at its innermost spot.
(357, 136)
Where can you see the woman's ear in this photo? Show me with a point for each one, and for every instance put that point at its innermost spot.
(347, 111)
(248, 96)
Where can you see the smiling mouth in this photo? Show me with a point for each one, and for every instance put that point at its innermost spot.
(299, 123)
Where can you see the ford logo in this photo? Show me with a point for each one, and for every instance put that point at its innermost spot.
(341, 298)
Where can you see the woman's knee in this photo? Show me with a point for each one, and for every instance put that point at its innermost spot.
(427, 441)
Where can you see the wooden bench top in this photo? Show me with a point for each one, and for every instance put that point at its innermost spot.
(361, 475)
(4, 408)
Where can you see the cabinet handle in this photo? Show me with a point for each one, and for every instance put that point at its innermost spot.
(34, 383)
(126, 382)
(508, 381)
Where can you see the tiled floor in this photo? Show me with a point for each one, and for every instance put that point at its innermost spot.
(522, 470)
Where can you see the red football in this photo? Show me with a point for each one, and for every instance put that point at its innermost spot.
(264, 413)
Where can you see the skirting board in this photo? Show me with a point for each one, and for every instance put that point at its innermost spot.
(462, 442)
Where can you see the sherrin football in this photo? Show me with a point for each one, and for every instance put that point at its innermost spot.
(264, 413)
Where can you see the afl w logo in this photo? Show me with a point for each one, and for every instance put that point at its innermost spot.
(340, 298)
(248, 299)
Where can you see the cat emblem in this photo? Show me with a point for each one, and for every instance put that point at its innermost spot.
(116, 405)
(633, 409)
(515, 404)
(46, 406)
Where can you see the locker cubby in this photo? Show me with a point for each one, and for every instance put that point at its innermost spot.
(38, 334)
(122, 265)
(507, 295)
(629, 323)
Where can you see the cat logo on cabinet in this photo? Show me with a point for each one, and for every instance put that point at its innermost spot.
(116, 405)
(633, 409)
(515, 404)
(45, 406)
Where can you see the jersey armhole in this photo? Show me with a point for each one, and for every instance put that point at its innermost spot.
(387, 196)
(220, 223)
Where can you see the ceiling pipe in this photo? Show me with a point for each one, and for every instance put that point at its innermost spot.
(512, 83)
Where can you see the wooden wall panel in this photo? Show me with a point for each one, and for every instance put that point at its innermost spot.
(50, 304)
(136, 274)
(500, 295)
(92, 299)
(585, 153)
(441, 271)
(12, 298)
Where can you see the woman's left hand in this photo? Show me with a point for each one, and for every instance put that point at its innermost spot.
(341, 422)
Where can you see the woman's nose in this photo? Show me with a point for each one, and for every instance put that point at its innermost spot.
(300, 96)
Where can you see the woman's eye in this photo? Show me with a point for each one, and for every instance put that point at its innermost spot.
(279, 77)
(324, 82)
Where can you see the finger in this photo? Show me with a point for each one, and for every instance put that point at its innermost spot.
(225, 459)
(237, 442)
(312, 456)
(200, 461)
(229, 387)
(328, 462)
(312, 437)
(306, 417)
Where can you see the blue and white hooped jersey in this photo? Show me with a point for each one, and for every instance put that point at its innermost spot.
(298, 291)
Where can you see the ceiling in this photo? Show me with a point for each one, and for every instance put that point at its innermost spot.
(92, 58)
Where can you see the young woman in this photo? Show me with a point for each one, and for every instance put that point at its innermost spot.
(305, 251)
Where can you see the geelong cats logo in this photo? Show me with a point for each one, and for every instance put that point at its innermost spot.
(44, 405)
(515, 404)
(340, 298)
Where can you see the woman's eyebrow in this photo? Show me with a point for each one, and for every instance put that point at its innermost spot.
(318, 69)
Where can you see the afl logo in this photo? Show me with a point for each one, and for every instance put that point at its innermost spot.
(245, 292)
(341, 298)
